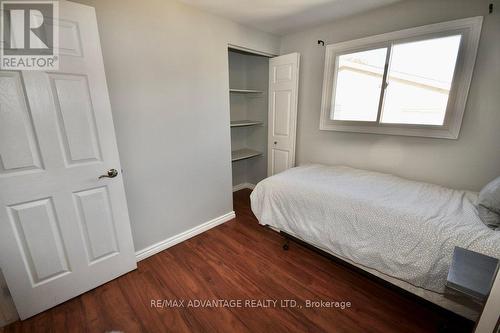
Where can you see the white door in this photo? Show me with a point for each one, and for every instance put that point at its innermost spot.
(62, 231)
(283, 91)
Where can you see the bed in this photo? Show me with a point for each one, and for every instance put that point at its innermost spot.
(400, 230)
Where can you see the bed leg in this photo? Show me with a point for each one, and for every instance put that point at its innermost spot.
(286, 246)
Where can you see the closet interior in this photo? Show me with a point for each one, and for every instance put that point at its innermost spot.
(249, 85)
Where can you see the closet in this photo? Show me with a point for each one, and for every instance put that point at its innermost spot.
(263, 114)
(248, 93)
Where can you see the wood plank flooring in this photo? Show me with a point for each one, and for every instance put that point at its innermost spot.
(241, 260)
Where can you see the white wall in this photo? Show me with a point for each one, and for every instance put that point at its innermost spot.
(466, 163)
(167, 70)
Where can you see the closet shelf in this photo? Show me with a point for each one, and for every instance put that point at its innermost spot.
(242, 123)
(246, 91)
(241, 154)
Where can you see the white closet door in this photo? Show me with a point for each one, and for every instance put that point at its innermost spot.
(283, 91)
(62, 231)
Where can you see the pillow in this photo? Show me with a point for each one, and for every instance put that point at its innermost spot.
(489, 204)
(489, 196)
(489, 217)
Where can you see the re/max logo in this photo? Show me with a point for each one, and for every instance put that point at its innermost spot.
(29, 35)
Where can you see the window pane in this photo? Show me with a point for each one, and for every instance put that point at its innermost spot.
(359, 81)
(419, 78)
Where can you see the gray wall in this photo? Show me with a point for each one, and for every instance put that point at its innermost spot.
(167, 70)
(466, 163)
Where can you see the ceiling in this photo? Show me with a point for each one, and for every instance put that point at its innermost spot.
(281, 17)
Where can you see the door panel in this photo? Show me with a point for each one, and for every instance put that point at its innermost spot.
(38, 236)
(283, 91)
(69, 39)
(280, 160)
(76, 118)
(97, 223)
(282, 105)
(283, 73)
(18, 144)
(62, 231)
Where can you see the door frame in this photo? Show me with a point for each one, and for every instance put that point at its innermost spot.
(236, 47)
(251, 51)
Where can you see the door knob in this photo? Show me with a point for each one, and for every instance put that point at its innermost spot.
(112, 173)
(275, 142)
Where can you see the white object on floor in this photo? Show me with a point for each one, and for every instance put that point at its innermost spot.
(489, 317)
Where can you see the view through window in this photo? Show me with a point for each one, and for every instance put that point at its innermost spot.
(416, 76)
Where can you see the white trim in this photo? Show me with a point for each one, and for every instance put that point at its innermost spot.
(488, 320)
(243, 186)
(248, 50)
(469, 28)
(165, 244)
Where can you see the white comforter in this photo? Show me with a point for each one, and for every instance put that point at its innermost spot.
(402, 228)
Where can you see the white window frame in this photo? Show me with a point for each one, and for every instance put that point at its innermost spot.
(468, 28)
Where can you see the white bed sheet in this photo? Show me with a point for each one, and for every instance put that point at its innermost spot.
(401, 228)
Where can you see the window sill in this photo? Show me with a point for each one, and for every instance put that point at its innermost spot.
(439, 132)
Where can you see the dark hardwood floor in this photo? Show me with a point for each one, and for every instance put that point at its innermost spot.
(241, 260)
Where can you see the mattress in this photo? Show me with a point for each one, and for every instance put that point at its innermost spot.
(401, 228)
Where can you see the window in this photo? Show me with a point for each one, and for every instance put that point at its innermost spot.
(411, 82)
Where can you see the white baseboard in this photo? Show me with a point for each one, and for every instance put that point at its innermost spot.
(242, 186)
(165, 244)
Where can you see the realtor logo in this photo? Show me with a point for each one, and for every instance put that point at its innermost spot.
(29, 36)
